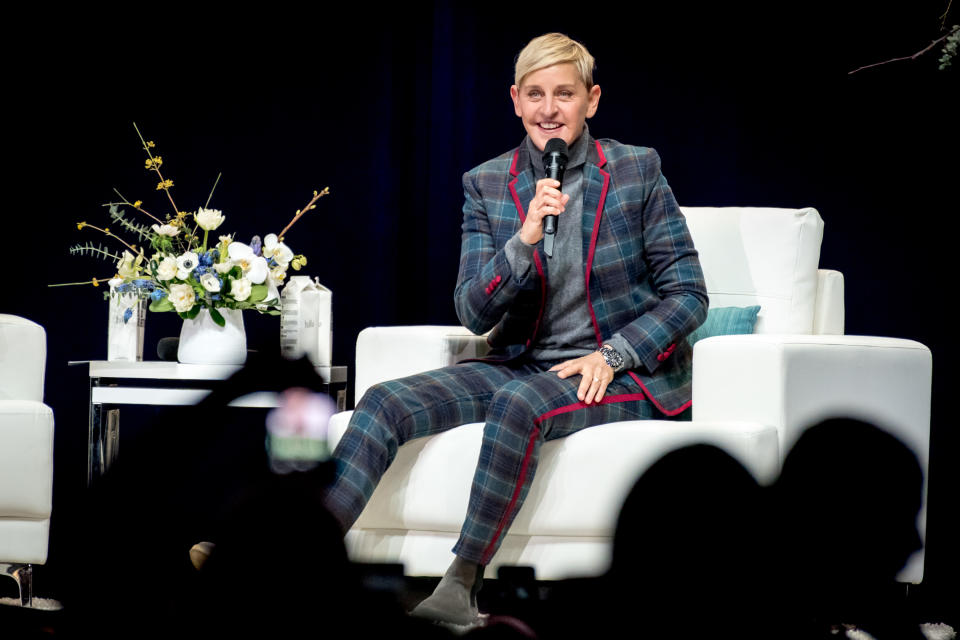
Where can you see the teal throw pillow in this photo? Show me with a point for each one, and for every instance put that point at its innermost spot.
(726, 321)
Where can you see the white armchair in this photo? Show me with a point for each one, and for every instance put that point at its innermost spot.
(752, 396)
(26, 452)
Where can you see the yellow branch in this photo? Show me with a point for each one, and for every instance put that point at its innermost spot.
(310, 205)
(95, 282)
(150, 155)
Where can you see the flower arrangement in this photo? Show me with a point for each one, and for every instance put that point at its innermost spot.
(186, 272)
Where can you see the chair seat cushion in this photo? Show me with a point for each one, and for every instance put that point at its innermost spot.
(581, 480)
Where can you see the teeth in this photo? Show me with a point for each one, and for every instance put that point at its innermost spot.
(549, 125)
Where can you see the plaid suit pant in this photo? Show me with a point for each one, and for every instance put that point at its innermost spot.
(522, 405)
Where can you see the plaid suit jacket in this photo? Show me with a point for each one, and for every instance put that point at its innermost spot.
(643, 276)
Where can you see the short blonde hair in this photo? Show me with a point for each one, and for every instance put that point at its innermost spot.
(550, 49)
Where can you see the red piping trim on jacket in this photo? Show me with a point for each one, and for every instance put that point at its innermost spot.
(623, 397)
(603, 158)
(686, 405)
(593, 248)
(596, 325)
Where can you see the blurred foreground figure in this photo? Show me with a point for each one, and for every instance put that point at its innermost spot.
(689, 555)
(845, 507)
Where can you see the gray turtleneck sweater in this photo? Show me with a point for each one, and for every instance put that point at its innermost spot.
(566, 329)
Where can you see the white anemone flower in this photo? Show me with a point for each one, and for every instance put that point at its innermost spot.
(186, 264)
(209, 219)
(254, 267)
(273, 248)
(210, 282)
(166, 229)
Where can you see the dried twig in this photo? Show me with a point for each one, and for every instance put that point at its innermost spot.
(914, 56)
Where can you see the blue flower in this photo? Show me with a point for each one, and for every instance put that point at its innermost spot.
(144, 284)
(206, 259)
(256, 245)
(124, 288)
(127, 315)
(199, 271)
(272, 263)
(214, 296)
(157, 294)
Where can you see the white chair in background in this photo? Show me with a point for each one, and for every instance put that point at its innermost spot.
(26, 452)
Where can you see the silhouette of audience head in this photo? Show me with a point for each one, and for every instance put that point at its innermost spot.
(686, 546)
(846, 504)
(847, 500)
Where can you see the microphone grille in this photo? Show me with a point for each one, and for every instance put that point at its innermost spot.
(555, 145)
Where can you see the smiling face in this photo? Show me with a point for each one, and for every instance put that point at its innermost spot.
(553, 102)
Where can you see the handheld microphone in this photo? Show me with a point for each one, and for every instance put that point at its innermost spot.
(555, 162)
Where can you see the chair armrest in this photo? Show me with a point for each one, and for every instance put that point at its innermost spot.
(385, 353)
(794, 381)
(828, 314)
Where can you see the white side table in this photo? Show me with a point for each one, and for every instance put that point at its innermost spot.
(158, 383)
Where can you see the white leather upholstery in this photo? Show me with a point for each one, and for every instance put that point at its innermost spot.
(792, 382)
(576, 494)
(26, 444)
(829, 310)
(752, 395)
(23, 357)
(764, 256)
(412, 350)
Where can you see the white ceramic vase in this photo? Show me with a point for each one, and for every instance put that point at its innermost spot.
(203, 341)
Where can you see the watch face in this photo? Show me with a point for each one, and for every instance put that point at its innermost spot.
(611, 356)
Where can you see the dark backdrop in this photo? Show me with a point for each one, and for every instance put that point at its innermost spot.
(746, 106)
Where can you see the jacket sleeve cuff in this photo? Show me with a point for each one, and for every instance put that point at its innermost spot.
(520, 258)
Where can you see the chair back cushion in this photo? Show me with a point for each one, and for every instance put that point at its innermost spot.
(23, 358)
(761, 256)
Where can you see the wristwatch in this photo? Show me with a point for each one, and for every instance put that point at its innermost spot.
(612, 357)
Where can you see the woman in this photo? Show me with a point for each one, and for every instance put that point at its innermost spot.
(591, 335)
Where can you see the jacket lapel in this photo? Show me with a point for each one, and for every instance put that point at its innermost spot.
(596, 184)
